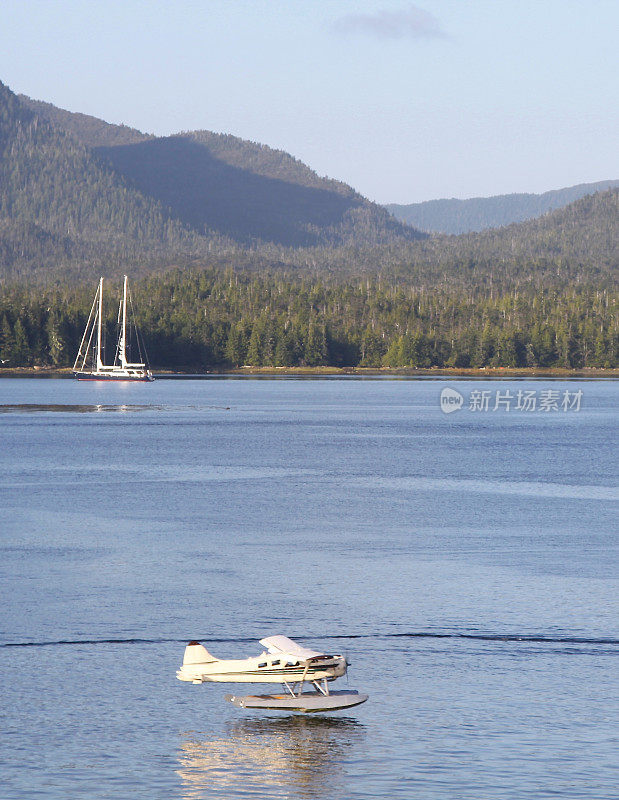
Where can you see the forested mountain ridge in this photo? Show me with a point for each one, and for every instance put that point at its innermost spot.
(578, 243)
(219, 184)
(72, 212)
(585, 232)
(88, 130)
(54, 189)
(478, 213)
(277, 200)
(258, 158)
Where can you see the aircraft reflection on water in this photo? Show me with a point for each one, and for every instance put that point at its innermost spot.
(294, 756)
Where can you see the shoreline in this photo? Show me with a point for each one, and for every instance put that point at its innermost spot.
(317, 372)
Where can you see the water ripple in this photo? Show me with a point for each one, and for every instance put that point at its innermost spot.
(484, 637)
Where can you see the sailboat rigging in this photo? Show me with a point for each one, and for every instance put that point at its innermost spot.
(89, 364)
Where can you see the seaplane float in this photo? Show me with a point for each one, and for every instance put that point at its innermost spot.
(284, 662)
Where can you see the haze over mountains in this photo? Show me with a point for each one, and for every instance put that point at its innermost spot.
(78, 195)
(479, 213)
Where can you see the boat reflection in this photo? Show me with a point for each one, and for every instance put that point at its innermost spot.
(6, 408)
(294, 756)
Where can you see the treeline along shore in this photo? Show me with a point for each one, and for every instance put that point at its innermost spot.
(217, 319)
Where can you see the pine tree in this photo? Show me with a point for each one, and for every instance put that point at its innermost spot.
(393, 356)
(286, 350)
(254, 351)
(315, 347)
(7, 343)
(236, 346)
(21, 348)
(55, 340)
(485, 349)
(372, 349)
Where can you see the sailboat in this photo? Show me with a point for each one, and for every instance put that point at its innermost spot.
(89, 364)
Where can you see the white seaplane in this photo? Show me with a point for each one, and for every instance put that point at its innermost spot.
(283, 661)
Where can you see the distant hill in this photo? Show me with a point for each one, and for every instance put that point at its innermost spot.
(584, 232)
(212, 183)
(479, 213)
(575, 244)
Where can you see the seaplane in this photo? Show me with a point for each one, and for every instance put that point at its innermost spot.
(283, 661)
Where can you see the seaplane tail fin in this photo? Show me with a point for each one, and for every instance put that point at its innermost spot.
(195, 653)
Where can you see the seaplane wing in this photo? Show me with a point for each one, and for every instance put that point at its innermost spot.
(282, 644)
(283, 661)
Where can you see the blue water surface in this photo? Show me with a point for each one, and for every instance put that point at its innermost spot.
(467, 564)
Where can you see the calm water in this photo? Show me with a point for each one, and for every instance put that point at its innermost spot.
(466, 563)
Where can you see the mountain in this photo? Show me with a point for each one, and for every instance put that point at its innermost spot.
(478, 213)
(61, 206)
(79, 196)
(245, 192)
(584, 232)
(90, 131)
(577, 244)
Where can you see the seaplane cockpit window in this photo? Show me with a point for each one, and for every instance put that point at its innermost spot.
(275, 663)
(264, 663)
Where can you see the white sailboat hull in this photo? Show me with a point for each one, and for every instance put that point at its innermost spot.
(115, 375)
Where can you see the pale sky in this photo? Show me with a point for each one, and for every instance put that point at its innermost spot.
(404, 101)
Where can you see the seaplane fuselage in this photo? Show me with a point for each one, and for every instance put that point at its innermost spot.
(200, 666)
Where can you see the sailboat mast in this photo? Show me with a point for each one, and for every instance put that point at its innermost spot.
(99, 362)
(84, 355)
(123, 333)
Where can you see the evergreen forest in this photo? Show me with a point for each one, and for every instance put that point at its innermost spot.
(214, 318)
